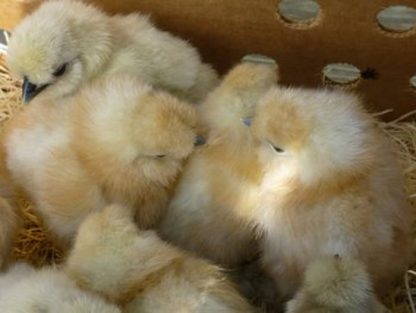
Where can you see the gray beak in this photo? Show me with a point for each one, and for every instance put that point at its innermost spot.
(247, 121)
(29, 90)
(199, 140)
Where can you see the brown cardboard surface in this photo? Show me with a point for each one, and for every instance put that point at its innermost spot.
(225, 30)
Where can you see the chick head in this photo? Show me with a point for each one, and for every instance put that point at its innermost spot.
(58, 47)
(139, 127)
(236, 97)
(321, 137)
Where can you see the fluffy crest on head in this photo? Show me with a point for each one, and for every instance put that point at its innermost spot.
(318, 134)
(61, 33)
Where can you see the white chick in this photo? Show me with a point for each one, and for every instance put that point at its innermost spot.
(336, 285)
(212, 208)
(117, 141)
(66, 43)
(24, 289)
(331, 186)
(138, 271)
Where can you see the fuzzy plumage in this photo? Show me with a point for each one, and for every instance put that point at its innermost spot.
(211, 210)
(140, 272)
(336, 285)
(118, 141)
(24, 289)
(65, 44)
(331, 186)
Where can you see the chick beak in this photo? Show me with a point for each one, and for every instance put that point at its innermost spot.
(29, 90)
(199, 140)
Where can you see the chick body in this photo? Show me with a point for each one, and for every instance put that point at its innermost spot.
(140, 272)
(24, 289)
(118, 141)
(331, 186)
(336, 285)
(211, 212)
(64, 44)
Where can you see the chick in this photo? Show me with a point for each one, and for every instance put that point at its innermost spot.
(117, 141)
(211, 210)
(66, 43)
(335, 285)
(141, 273)
(24, 289)
(331, 186)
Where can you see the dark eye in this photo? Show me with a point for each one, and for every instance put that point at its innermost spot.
(160, 156)
(60, 70)
(277, 149)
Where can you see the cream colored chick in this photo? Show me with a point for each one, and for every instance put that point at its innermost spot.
(118, 141)
(336, 285)
(24, 289)
(212, 209)
(66, 43)
(331, 186)
(141, 273)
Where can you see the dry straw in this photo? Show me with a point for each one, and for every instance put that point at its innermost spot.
(34, 245)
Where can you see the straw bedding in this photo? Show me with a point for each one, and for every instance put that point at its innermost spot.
(34, 245)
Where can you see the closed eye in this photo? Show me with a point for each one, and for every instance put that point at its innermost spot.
(160, 156)
(60, 70)
(276, 149)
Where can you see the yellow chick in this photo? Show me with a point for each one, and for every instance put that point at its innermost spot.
(212, 208)
(138, 271)
(24, 289)
(331, 186)
(117, 141)
(336, 285)
(66, 43)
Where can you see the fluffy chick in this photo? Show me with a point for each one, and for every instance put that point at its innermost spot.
(210, 213)
(24, 289)
(117, 141)
(335, 285)
(331, 186)
(66, 43)
(141, 273)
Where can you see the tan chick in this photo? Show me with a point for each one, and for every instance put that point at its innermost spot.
(336, 285)
(331, 186)
(24, 289)
(138, 271)
(66, 43)
(117, 141)
(212, 209)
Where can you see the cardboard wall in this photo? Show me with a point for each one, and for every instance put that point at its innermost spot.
(225, 30)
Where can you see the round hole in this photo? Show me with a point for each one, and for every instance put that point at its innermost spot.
(259, 58)
(299, 11)
(341, 74)
(412, 81)
(397, 18)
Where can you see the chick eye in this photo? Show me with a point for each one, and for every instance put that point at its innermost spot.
(277, 149)
(60, 70)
